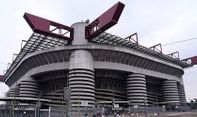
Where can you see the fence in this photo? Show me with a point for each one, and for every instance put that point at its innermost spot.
(60, 111)
(22, 113)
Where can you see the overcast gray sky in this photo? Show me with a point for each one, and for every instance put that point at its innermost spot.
(156, 21)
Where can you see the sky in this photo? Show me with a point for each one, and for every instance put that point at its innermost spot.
(155, 21)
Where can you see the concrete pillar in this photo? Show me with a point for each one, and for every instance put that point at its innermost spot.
(79, 33)
(29, 88)
(181, 92)
(170, 91)
(81, 71)
(13, 92)
(136, 89)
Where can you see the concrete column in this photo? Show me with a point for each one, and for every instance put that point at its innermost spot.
(81, 71)
(136, 89)
(181, 92)
(79, 33)
(29, 88)
(170, 91)
(13, 92)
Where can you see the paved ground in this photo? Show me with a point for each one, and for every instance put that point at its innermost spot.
(179, 114)
(171, 114)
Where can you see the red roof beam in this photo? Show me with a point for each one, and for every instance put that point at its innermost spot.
(43, 26)
(1, 78)
(192, 60)
(105, 21)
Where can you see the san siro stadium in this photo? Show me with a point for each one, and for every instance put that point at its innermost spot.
(92, 68)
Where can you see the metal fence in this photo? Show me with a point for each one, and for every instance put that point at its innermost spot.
(22, 113)
(60, 111)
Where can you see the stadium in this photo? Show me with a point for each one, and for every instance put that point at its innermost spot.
(88, 67)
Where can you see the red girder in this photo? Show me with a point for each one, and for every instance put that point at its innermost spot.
(1, 78)
(194, 60)
(41, 25)
(105, 21)
(191, 60)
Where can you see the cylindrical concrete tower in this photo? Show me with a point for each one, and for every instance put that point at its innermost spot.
(29, 88)
(136, 89)
(170, 91)
(81, 71)
(13, 92)
(181, 91)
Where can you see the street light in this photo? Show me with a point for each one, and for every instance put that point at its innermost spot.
(145, 113)
(157, 105)
(24, 113)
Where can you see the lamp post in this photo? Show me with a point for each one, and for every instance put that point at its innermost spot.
(145, 112)
(37, 109)
(157, 105)
(24, 113)
(67, 95)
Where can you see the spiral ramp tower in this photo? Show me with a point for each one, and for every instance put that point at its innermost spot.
(181, 91)
(136, 89)
(29, 88)
(170, 91)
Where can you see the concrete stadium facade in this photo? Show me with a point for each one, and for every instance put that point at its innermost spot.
(98, 73)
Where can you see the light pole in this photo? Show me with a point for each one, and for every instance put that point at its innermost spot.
(157, 105)
(37, 109)
(145, 112)
(24, 113)
(67, 94)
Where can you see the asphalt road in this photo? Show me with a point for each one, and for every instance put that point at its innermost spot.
(179, 114)
(170, 114)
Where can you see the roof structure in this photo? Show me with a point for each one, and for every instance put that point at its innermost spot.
(35, 43)
(44, 37)
(109, 39)
(39, 41)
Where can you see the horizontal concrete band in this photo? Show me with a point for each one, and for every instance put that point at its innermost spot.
(36, 59)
